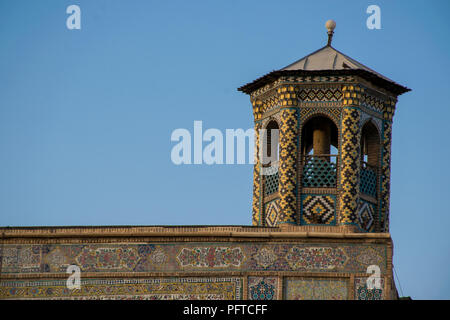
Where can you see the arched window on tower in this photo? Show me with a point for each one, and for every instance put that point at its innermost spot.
(270, 157)
(370, 158)
(319, 153)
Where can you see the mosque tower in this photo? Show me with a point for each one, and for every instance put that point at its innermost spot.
(323, 142)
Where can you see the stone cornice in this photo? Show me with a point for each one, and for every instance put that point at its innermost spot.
(192, 233)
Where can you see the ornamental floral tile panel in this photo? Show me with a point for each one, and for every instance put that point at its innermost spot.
(108, 258)
(210, 257)
(315, 257)
(124, 289)
(262, 288)
(204, 257)
(315, 289)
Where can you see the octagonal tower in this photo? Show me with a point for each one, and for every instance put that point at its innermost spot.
(323, 143)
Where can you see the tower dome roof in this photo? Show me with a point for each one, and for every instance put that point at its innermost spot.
(326, 61)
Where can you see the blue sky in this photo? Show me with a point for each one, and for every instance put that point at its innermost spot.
(86, 115)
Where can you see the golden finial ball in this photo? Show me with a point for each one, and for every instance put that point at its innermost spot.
(330, 25)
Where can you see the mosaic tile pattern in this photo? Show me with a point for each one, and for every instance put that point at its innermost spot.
(314, 258)
(112, 289)
(318, 79)
(318, 173)
(366, 215)
(349, 175)
(288, 165)
(368, 181)
(272, 213)
(271, 103)
(322, 94)
(323, 258)
(386, 175)
(315, 289)
(210, 257)
(270, 184)
(204, 257)
(318, 209)
(363, 293)
(307, 112)
(104, 258)
(370, 257)
(262, 288)
(372, 102)
(256, 200)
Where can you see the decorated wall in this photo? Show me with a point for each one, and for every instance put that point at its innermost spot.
(206, 263)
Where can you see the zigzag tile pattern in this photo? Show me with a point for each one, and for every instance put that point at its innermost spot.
(288, 165)
(256, 208)
(386, 175)
(350, 158)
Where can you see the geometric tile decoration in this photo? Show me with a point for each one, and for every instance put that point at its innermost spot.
(113, 289)
(262, 288)
(315, 289)
(272, 212)
(288, 165)
(270, 184)
(307, 112)
(329, 94)
(270, 103)
(57, 260)
(318, 172)
(368, 181)
(28, 257)
(366, 215)
(386, 223)
(349, 175)
(256, 200)
(318, 209)
(265, 257)
(363, 293)
(207, 257)
(372, 102)
(386, 175)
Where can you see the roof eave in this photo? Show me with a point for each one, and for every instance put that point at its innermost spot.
(274, 75)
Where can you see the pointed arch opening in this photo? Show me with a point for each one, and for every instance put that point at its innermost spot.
(272, 146)
(270, 157)
(320, 148)
(370, 144)
(370, 159)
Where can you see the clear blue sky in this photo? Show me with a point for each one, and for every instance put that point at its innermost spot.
(86, 115)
